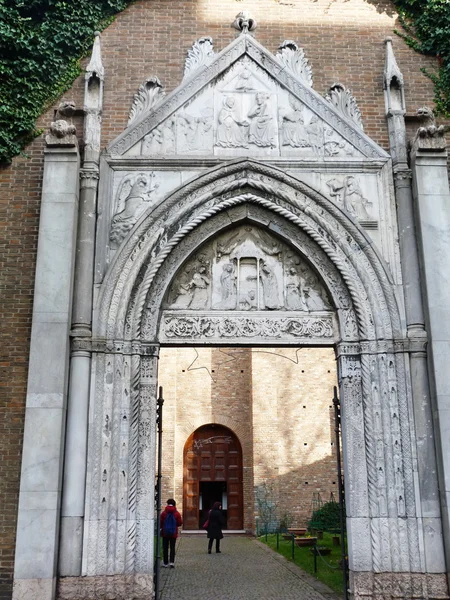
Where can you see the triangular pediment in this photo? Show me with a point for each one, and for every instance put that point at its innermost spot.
(244, 101)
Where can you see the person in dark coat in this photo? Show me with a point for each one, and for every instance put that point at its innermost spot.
(215, 525)
(169, 540)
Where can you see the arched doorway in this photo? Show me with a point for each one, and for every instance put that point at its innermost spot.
(212, 472)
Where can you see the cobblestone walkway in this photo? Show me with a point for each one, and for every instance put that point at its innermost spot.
(245, 570)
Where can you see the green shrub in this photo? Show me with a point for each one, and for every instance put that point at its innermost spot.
(326, 518)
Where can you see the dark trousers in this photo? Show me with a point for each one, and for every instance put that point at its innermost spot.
(210, 543)
(166, 543)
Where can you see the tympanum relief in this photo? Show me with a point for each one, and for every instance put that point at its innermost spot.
(247, 270)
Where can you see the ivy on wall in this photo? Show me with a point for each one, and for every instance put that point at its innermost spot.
(41, 42)
(427, 26)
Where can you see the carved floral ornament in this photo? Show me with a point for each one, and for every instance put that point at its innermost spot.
(343, 100)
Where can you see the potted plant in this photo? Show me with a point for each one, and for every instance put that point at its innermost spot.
(305, 541)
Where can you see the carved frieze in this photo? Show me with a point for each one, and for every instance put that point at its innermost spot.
(192, 327)
(195, 129)
(160, 141)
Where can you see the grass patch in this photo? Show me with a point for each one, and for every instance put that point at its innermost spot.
(304, 558)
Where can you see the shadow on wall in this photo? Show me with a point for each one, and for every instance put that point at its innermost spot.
(295, 495)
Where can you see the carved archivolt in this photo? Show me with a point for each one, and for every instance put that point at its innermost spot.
(324, 222)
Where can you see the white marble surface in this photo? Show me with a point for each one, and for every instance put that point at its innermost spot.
(40, 490)
(432, 196)
(359, 544)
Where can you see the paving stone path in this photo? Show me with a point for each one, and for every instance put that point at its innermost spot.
(245, 570)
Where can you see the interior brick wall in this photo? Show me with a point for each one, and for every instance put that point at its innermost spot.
(278, 403)
(343, 41)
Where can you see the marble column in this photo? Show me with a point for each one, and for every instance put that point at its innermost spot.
(428, 508)
(73, 501)
(45, 417)
(432, 203)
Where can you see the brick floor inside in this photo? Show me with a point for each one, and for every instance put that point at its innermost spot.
(245, 570)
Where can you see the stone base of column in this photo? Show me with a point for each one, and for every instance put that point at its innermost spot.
(407, 586)
(113, 587)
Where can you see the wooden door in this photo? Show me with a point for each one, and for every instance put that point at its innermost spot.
(213, 454)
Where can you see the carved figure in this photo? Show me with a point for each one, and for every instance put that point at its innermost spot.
(336, 189)
(231, 131)
(354, 201)
(228, 288)
(261, 132)
(130, 204)
(61, 133)
(314, 294)
(244, 81)
(292, 127)
(194, 130)
(151, 144)
(334, 145)
(198, 287)
(295, 296)
(314, 131)
(248, 302)
(270, 287)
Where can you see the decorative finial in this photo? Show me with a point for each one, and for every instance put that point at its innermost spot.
(201, 53)
(244, 22)
(391, 70)
(294, 57)
(343, 100)
(148, 94)
(95, 66)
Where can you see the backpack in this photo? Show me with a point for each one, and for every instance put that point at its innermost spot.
(170, 525)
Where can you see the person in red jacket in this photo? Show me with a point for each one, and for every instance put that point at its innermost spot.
(169, 521)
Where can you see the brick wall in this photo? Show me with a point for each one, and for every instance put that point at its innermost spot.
(343, 41)
(278, 403)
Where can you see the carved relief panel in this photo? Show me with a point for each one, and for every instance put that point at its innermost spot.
(247, 270)
(246, 112)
